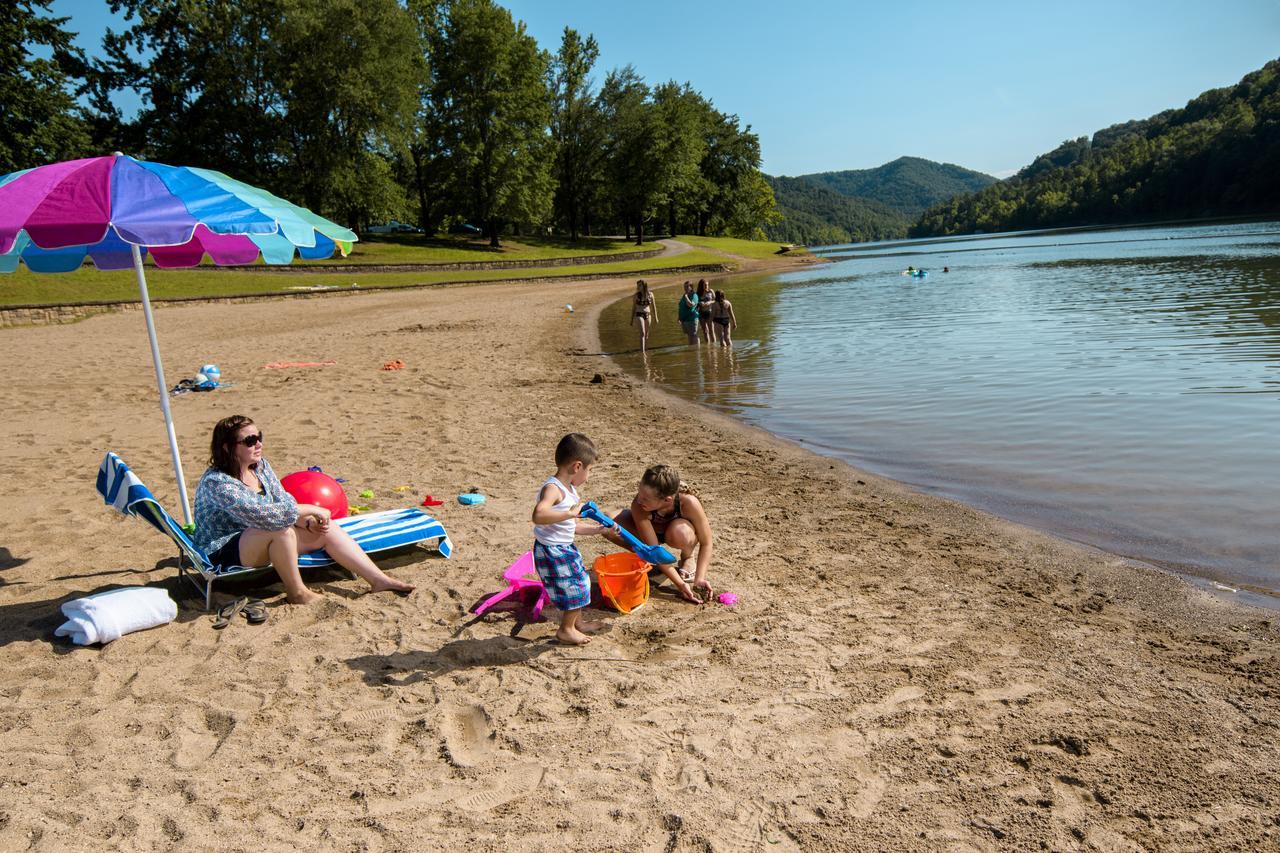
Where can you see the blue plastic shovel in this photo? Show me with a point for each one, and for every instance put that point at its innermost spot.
(655, 554)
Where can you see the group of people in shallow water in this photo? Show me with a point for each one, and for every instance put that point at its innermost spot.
(704, 314)
(244, 517)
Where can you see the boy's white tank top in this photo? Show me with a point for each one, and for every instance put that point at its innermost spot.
(560, 533)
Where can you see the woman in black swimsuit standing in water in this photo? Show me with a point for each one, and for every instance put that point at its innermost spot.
(642, 310)
(724, 319)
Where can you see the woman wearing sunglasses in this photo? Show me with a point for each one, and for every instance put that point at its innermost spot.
(244, 517)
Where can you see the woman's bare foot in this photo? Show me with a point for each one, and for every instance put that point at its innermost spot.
(392, 585)
(572, 637)
(304, 597)
(589, 627)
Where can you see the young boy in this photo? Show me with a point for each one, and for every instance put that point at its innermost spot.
(555, 523)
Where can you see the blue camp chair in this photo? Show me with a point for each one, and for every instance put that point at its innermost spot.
(374, 532)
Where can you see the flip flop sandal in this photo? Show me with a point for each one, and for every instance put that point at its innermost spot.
(229, 612)
(255, 611)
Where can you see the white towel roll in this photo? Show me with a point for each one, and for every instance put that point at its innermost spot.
(108, 616)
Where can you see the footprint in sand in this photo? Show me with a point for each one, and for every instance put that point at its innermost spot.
(199, 737)
(875, 710)
(507, 786)
(1009, 694)
(750, 831)
(693, 779)
(870, 794)
(468, 736)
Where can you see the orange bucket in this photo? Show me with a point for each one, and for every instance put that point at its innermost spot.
(623, 579)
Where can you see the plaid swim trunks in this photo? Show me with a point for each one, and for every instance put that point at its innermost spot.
(563, 575)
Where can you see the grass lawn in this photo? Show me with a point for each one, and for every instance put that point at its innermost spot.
(421, 249)
(90, 285)
(746, 248)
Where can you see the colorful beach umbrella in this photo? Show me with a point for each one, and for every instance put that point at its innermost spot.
(113, 210)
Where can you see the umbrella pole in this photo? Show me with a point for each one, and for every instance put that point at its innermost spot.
(164, 388)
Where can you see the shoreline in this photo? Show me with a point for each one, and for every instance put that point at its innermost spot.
(902, 671)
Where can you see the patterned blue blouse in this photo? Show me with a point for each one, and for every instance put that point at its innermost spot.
(225, 506)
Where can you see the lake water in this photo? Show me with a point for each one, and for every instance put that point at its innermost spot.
(1120, 388)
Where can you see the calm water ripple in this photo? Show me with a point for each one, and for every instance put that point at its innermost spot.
(1118, 387)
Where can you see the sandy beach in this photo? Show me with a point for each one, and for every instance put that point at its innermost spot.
(902, 672)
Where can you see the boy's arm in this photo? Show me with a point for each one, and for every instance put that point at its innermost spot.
(545, 512)
(586, 527)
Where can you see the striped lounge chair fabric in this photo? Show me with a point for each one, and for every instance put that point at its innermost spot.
(374, 532)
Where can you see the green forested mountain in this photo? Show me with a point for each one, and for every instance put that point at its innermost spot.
(908, 185)
(865, 204)
(1218, 155)
(814, 215)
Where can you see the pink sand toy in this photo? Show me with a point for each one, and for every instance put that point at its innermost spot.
(728, 599)
(520, 576)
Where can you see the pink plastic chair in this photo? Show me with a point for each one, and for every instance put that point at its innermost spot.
(520, 576)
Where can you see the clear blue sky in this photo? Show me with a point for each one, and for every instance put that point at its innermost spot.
(832, 85)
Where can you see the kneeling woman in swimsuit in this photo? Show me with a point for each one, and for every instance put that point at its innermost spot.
(664, 511)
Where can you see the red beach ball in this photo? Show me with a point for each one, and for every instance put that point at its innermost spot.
(313, 487)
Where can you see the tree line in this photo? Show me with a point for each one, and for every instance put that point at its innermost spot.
(436, 111)
(1218, 155)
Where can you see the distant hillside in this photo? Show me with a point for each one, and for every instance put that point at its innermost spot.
(908, 185)
(813, 215)
(1217, 156)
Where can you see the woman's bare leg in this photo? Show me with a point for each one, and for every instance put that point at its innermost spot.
(349, 555)
(280, 549)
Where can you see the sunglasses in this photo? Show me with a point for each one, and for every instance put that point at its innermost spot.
(251, 440)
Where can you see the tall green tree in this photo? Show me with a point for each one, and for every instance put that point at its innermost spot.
(680, 144)
(207, 73)
(303, 97)
(631, 148)
(42, 122)
(489, 91)
(730, 171)
(576, 128)
(348, 81)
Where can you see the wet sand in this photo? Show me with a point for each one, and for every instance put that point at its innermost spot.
(902, 671)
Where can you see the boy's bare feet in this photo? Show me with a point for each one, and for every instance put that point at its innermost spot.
(304, 597)
(572, 637)
(392, 585)
(589, 627)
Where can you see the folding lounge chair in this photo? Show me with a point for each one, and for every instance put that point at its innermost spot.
(374, 532)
